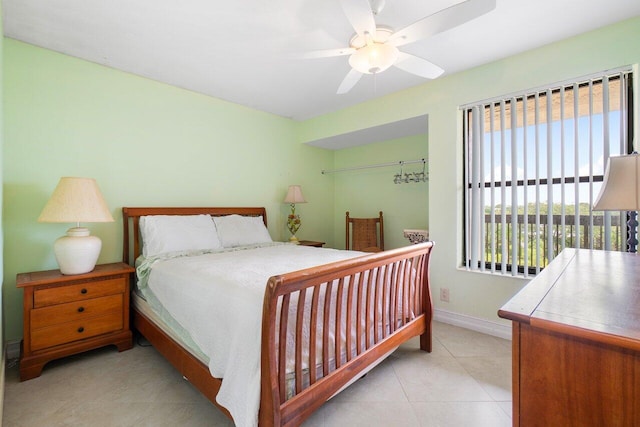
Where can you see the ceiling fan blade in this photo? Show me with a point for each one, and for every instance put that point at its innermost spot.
(418, 66)
(349, 81)
(442, 21)
(327, 53)
(360, 16)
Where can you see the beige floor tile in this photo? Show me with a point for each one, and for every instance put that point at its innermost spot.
(132, 414)
(458, 414)
(427, 378)
(507, 407)
(466, 343)
(413, 345)
(448, 387)
(492, 373)
(365, 414)
(29, 413)
(379, 385)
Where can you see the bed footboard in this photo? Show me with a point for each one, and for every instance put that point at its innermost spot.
(324, 326)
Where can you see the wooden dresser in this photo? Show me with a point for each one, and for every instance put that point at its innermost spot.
(64, 315)
(576, 342)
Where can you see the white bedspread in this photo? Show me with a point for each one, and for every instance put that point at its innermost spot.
(218, 299)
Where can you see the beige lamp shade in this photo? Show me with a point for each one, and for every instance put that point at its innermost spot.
(76, 200)
(621, 187)
(294, 195)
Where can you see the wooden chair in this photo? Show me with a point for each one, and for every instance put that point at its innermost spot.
(365, 234)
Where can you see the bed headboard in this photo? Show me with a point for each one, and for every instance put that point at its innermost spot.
(131, 240)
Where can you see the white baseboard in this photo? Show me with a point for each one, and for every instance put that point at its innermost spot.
(474, 323)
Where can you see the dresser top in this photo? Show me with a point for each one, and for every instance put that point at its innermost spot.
(584, 293)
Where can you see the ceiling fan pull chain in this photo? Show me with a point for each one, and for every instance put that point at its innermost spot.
(375, 84)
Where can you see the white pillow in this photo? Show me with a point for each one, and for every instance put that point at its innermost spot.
(173, 233)
(237, 230)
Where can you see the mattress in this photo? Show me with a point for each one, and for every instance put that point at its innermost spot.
(169, 326)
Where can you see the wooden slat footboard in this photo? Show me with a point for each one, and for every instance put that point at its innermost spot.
(334, 321)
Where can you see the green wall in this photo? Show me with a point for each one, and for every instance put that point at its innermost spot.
(365, 192)
(474, 294)
(146, 144)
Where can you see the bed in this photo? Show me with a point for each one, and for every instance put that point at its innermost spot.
(318, 328)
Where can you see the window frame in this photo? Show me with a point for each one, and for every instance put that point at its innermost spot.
(624, 74)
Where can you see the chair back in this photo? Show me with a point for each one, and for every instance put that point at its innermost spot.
(365, 234)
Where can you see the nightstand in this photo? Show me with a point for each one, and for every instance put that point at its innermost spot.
(311, 243)
(65, 315)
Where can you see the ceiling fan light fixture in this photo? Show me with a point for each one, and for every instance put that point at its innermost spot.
(374, 58)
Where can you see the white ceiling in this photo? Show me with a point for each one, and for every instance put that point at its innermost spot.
(248, 51)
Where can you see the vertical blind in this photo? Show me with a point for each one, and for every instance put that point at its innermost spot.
(534, 164)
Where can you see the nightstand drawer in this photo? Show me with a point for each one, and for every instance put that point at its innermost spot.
(78, 292)
(77, 330)
(75, 311)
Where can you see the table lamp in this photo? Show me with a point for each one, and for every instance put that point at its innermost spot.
(621, 192)
(76, 200)
(294, 195)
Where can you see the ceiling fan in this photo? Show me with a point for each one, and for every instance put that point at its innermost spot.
(374, 48)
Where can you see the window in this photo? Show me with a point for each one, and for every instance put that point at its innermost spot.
(534, 164)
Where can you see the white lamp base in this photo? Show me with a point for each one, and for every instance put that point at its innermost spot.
(78, 251)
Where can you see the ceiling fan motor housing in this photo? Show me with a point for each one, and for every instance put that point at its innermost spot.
(374, 58)
(373, 55)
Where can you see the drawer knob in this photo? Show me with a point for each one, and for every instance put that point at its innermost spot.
(80, 309)
(83, 291)
(80, 329)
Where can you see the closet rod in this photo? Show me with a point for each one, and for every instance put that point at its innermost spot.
(380, 165)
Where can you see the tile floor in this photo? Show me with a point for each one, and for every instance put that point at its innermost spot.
(465, 381)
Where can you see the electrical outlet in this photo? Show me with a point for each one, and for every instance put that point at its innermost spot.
(444, 294)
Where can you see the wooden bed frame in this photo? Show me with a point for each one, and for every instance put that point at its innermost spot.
(389, 289)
